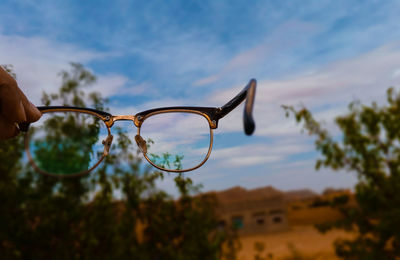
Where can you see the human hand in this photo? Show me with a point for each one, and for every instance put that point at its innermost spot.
(14, 107)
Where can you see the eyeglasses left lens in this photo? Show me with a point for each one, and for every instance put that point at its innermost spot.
(176, 141)
(66, 143)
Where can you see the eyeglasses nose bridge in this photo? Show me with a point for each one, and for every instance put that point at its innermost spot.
(110, 122)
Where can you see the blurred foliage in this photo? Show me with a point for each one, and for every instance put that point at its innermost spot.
(66, 142)
(369, 146)
(116, 212)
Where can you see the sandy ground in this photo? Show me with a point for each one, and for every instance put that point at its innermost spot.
(305, 239)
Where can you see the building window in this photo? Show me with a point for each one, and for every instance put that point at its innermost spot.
(276, 216)
(277, 219)
(259, 218)
(237, 222)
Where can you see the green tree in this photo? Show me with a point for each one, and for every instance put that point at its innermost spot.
(368, 145)
(43, 217)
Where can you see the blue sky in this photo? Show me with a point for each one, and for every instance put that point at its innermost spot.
(147, 54)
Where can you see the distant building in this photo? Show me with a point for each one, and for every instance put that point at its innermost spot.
(253, 211)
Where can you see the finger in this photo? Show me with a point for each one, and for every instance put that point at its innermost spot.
(7, 129)
(15, 113)
(12, 108)
(32, 113)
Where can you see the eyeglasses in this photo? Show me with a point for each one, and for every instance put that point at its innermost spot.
(73, 141)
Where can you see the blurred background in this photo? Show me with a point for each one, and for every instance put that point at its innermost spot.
(321, 55)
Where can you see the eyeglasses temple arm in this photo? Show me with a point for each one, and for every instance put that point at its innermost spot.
(247, 93)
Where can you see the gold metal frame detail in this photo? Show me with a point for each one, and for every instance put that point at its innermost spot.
(212, 114)
(109, 122)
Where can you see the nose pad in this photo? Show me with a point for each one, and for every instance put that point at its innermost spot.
(141, 143)
(107, 144)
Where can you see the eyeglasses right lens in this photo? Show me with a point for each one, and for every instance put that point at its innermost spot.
(66, 143)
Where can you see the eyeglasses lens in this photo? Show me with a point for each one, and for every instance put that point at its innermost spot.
(176, 140)
(65, 143)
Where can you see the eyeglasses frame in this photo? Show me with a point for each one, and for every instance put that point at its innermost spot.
(212, 115)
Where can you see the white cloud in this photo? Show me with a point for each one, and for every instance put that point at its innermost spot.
(276, 42)
(326, 92)
(396, 73)
(240, 61)
(109, 85)
(251, 160)
(165, 102)
(260, 153)
(143, 89)
(37, 62)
